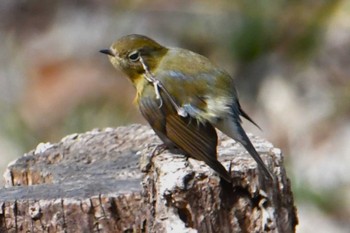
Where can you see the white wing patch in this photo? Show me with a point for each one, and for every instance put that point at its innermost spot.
(217, 108)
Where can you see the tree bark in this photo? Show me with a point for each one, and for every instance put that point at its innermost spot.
(106, 181)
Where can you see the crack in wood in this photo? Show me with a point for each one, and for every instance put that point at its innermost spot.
(3, 224)
(12, 178)
(102, 208)
(15, 215)
(64, 225)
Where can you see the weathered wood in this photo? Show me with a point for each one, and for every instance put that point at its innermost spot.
(105, 181)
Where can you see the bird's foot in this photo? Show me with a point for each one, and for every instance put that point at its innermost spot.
(158, 149)
(146, 159)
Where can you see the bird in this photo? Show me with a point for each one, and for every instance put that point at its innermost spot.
(184, 97)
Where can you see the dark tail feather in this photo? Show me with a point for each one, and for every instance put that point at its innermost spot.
(250, 148)
(245, 115)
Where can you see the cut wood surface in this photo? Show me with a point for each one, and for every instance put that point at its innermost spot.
(106, 181)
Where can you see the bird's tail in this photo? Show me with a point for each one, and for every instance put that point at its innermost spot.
(250, 148)
(234, 130)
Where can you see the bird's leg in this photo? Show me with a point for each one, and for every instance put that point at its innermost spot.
(158, 85)
(180, 111)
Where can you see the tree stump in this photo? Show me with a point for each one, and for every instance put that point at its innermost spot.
(106, 181)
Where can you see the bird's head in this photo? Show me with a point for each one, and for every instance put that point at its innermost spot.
(129, 52)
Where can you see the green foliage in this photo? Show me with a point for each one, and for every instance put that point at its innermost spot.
(291, 27)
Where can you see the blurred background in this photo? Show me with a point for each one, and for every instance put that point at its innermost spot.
(291, 60)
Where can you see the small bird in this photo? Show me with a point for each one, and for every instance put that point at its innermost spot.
(184, 97)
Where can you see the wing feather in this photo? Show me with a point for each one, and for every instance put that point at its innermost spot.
(195, 139)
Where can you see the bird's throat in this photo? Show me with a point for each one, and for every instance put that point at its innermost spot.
(139, 83)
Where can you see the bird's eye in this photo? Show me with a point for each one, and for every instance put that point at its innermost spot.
(134, 56)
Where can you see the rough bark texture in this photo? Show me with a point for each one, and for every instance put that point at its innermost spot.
(105, 181)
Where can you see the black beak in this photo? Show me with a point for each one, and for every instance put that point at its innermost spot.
(108, 52)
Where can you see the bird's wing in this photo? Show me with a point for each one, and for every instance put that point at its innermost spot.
(195, 139)
(155, 116)
(206, 95)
